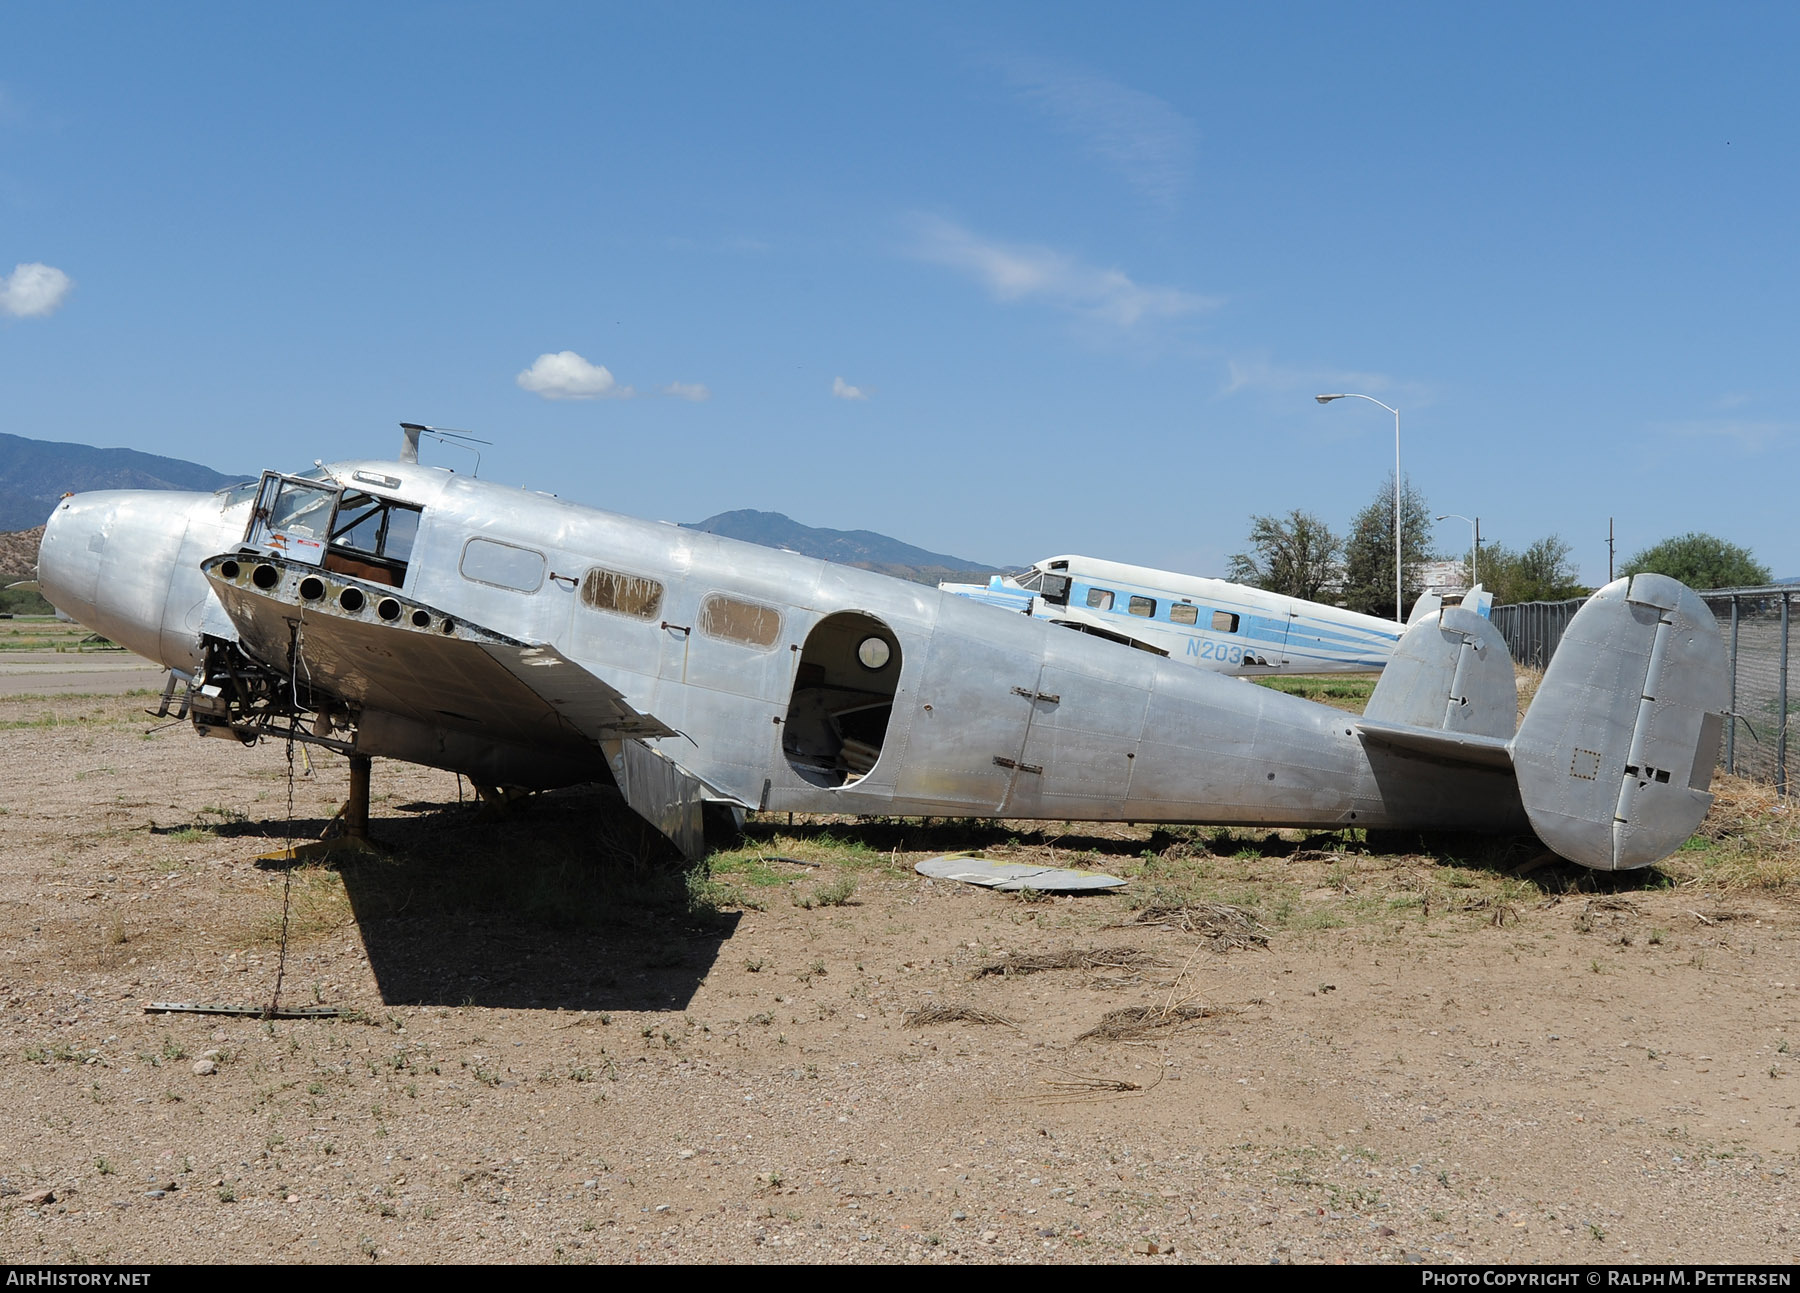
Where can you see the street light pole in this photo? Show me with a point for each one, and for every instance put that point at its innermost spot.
(1352, 395)
(1474, 543)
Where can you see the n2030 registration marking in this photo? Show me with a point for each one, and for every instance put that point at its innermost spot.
(1226, 652)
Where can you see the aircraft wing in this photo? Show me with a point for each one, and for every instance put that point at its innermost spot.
(365, 644)
(1105, 627)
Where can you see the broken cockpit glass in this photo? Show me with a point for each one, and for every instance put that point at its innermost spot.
(292, 516)
(350, 532)
(1052, 588)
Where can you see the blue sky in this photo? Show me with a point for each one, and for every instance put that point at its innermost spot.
(999, 280)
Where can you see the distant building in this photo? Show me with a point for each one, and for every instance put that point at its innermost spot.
(1445, 578)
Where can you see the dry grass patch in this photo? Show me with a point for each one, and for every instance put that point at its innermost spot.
(925, 1016)
(1075, 958)
(1750, 840)
(1223, 926)
(1138, 1021)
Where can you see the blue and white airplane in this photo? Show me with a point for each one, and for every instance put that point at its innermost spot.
(1230, 628)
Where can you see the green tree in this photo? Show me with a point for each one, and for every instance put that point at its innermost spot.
(1699, 561)
(1369, 551)
(1541, 573)
(1294, 554)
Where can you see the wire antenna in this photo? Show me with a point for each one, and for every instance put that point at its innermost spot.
(413, 431)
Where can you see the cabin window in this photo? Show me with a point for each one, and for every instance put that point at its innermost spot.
(503, 565)
(735, 621)
(623, 594)
(1100, 599)
(1145, 606)
(1224, 622)
(1184, 613)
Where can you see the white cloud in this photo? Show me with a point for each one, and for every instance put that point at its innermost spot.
(567, 376)
(1258, 373)
(695, 391)
(1030, 273)
(1749, 435)
(1140, 135)
(33, 290)
(845, 391)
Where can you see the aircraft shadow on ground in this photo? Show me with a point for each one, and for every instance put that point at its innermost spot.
(564, 903)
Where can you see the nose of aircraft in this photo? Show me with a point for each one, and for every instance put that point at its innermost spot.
(108, 560)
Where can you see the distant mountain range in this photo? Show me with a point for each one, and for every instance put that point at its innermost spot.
(35, 473)
(862, 548)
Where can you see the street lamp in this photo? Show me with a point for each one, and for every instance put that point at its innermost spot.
(1352, 395)
(1474, 543)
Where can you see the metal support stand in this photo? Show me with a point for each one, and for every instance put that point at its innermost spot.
(352, 820)
(356, 808)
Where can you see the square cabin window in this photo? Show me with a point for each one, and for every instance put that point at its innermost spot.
(1183, 613)
(1223, 622)
(739, 621)
(1145, 606)
(1099, 599)
(622, 594)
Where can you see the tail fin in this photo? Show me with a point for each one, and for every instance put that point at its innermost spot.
(1450, 672)
(1616, 753)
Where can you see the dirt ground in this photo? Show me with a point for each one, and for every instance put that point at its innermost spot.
(554, 1053)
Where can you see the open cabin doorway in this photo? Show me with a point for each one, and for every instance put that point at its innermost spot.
(843, 696)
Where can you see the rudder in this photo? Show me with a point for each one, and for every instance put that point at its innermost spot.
(1616, 753)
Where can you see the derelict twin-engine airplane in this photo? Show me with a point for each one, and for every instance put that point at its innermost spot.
(404, 611)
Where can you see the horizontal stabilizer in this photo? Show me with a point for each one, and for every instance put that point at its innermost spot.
(1616, 753)
(1456, 747)
(1450, 673)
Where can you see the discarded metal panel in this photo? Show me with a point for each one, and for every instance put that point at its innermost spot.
(1009, 877)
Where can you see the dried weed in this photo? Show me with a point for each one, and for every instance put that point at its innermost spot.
(1075, 958)
(925, 1016)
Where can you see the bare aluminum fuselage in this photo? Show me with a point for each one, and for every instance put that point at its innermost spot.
(987, 713)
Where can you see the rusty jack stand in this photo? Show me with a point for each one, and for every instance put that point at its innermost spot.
(354, 817)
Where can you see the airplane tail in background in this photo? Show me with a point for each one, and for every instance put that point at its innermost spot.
(1617, 750)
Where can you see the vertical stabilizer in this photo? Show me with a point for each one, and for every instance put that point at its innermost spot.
(1616, 753)
(1450, 672)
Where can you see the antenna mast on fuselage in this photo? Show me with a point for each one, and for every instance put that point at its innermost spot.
(411, 431)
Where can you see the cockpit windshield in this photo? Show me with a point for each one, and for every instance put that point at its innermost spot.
(350, 531)
(1052, 588)
(376, 526)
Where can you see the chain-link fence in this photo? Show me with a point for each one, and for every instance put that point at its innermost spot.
(1756, 624)
(1532, 629)
(1765, 687)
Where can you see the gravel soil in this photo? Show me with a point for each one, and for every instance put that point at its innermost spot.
(1400, 1075)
